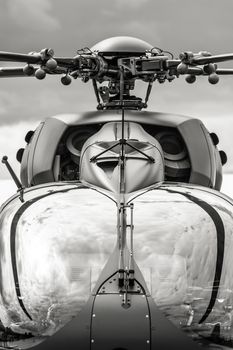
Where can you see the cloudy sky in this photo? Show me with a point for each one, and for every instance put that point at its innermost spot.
(30, 25)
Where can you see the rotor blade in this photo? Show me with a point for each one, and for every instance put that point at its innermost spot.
(213, 59)
(34, 58)
(19, 57)
(173, 63)
(12, 72)
(65, 61)
(195, 71)
(224, 71)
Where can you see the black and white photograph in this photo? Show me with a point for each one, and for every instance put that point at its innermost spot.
(116, 174)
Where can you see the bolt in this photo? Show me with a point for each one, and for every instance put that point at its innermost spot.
(51, 64)
(213, 78)
(182, 68)
(66, 79)
(190, 79)
(50, 52)
(28, 70)
(40, 74)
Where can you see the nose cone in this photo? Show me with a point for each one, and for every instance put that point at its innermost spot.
(100, 160)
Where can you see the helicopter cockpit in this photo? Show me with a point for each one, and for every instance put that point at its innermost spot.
(61, 158)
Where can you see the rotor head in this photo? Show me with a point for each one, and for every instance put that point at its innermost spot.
(115, 64)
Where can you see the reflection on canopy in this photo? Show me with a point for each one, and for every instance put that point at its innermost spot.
(61, 243)
(179, 245)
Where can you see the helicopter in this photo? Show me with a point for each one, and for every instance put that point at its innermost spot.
(118, 237)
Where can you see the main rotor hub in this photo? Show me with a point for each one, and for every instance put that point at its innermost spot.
(116, 64)
(120, 54)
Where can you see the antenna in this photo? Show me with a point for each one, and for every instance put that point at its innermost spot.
(14, 177)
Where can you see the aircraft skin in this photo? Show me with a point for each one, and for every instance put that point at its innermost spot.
(60, 250)
(56, 243)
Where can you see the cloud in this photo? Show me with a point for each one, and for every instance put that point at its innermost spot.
(133, 4)
(33, 14)
(137, 29)
(31, 99)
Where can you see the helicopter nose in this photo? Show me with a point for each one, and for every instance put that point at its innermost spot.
(120, 318)
(101, 160)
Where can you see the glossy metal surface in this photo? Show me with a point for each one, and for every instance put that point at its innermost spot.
(100, 160)
(122, 44)
(62, 240)
(53, 248)
(183, 243)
